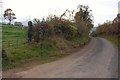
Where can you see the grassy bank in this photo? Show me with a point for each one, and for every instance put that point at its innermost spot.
(111, 38)
(19, 52)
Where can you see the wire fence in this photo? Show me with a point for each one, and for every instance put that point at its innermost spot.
(0, 37)
(13, 37)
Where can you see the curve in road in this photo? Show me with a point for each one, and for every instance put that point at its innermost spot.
(98, 59)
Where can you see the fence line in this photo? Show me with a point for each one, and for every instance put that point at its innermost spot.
(13, 47)
(10, 40)
(15, 41)
(9, 31)
(11, 35)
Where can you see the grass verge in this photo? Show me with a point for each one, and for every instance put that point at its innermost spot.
(19, 52)
(112, 38)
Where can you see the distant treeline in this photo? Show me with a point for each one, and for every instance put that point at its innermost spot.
(109, 28)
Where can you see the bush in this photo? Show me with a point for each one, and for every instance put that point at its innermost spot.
(60, 27)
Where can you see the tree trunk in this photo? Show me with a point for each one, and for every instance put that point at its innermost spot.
(10, 22)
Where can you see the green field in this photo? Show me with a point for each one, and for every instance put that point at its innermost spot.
(13, 36)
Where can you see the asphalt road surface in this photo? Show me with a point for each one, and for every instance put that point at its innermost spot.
(98, 59)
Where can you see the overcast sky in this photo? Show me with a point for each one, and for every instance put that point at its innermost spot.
(102, 9)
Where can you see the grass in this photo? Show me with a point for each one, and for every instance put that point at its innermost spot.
(20, 52)
(13, 36)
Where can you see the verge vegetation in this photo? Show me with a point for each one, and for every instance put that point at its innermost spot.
(53, 38)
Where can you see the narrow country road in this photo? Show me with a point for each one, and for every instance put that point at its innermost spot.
(98, 59)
